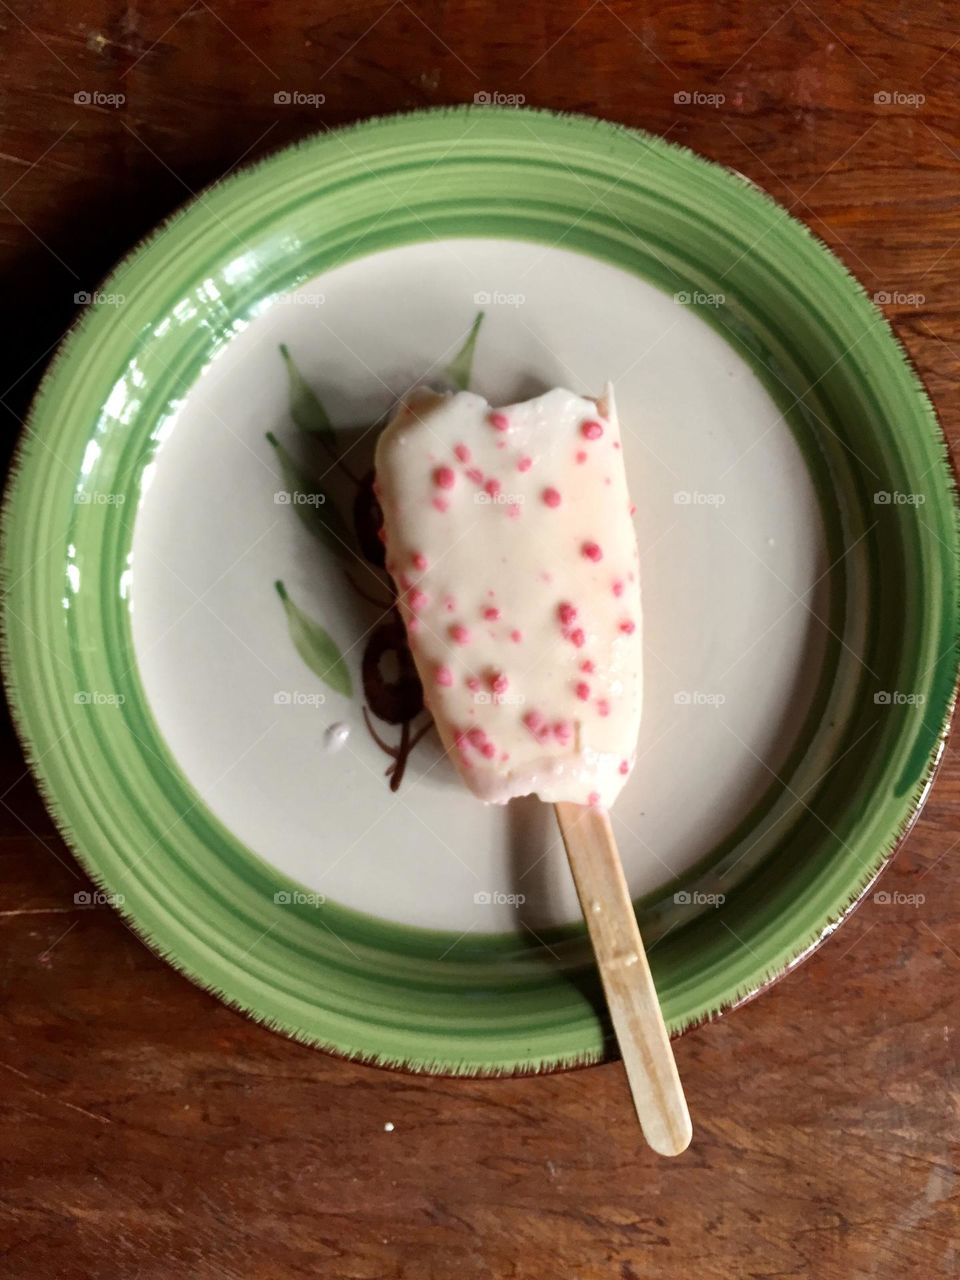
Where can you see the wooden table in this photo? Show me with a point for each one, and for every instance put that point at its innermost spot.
(150, 1132)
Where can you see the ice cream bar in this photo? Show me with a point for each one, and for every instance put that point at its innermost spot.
(510, 540)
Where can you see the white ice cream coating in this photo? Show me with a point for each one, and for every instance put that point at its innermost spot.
(510, 539)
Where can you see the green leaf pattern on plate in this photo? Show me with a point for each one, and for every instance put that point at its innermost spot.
(460, 369)
(316, 646)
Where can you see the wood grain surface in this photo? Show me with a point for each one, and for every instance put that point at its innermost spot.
(148, 1131)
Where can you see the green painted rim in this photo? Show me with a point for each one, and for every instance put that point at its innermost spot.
(364, 987)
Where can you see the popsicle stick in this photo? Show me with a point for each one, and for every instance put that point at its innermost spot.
(627, 982)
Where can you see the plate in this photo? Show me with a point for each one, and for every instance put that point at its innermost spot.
(200, 651)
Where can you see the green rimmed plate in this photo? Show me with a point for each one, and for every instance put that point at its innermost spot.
(216, 750)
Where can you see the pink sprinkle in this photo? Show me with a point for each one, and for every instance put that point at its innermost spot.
(525, 463)
(382, 534)
(543, 733)
(445, 477)
(491, 613)
(582, 690)
(567, 613)
(533, 721)
(472, 683)
(551, 497)
(461, 452)
(499, 682)
(633, 508)
(587, 666)
(593, 798)
(516, 636)
(413, 626)
(417, 598)
(592, 551)
(577, 638)
(513, 510)
(624, 767)
(500, 421)
(628, 626)
(441, 504)
(591, 430)
(476, 737)
(492, 487)
(488, 750)
(419, 561)
(449, 604)
(459, 634)
(444, 677)
(562, 731)
(476, 475)
(581, 457)
(603, 707)
(617, 587)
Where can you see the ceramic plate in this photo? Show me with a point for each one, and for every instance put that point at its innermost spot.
(200, 648)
